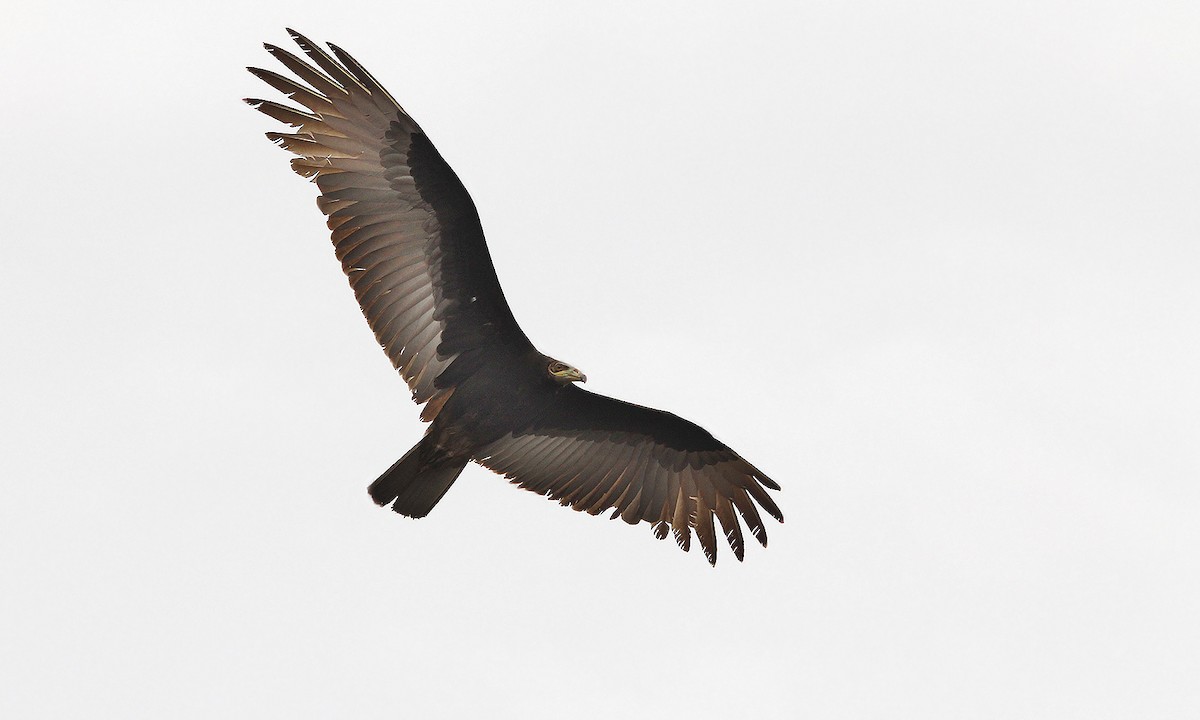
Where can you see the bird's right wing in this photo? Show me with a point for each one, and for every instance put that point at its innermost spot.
(405, 229)
(596, 453)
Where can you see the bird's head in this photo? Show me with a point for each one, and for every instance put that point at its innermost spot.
(562, 372)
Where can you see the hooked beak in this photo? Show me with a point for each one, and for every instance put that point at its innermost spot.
(570, 374)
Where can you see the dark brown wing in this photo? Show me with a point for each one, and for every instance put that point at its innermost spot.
(596, 453)
(403, 225)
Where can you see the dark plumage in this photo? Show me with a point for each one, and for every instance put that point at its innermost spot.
(411, 243)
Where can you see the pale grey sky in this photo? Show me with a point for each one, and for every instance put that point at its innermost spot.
(932, 266)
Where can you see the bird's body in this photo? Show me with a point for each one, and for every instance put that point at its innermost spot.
(411, 243)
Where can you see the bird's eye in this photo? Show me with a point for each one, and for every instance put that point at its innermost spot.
(557, 367)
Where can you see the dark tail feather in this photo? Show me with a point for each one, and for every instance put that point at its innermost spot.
(412, 487)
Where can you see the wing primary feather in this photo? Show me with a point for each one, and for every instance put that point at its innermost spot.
(680, 525)
(282, 113)
(294, 90)
(730, 526)
(336, 72)
(724, 487)
(764, 500)
(750, 514)
(316, 145)
(310, 167)
(365, 133)
(761, 476)
(364, 76)
(705, 532)
(346, 165)
(319, 82)
(299, 144)
(338, 145)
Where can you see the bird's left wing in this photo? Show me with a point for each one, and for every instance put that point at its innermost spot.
(403, 225)
(596, 453)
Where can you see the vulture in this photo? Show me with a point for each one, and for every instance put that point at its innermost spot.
(411, 243)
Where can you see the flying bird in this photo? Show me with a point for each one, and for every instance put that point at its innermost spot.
(411, 243)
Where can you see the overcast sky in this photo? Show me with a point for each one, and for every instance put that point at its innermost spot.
(931, 265)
